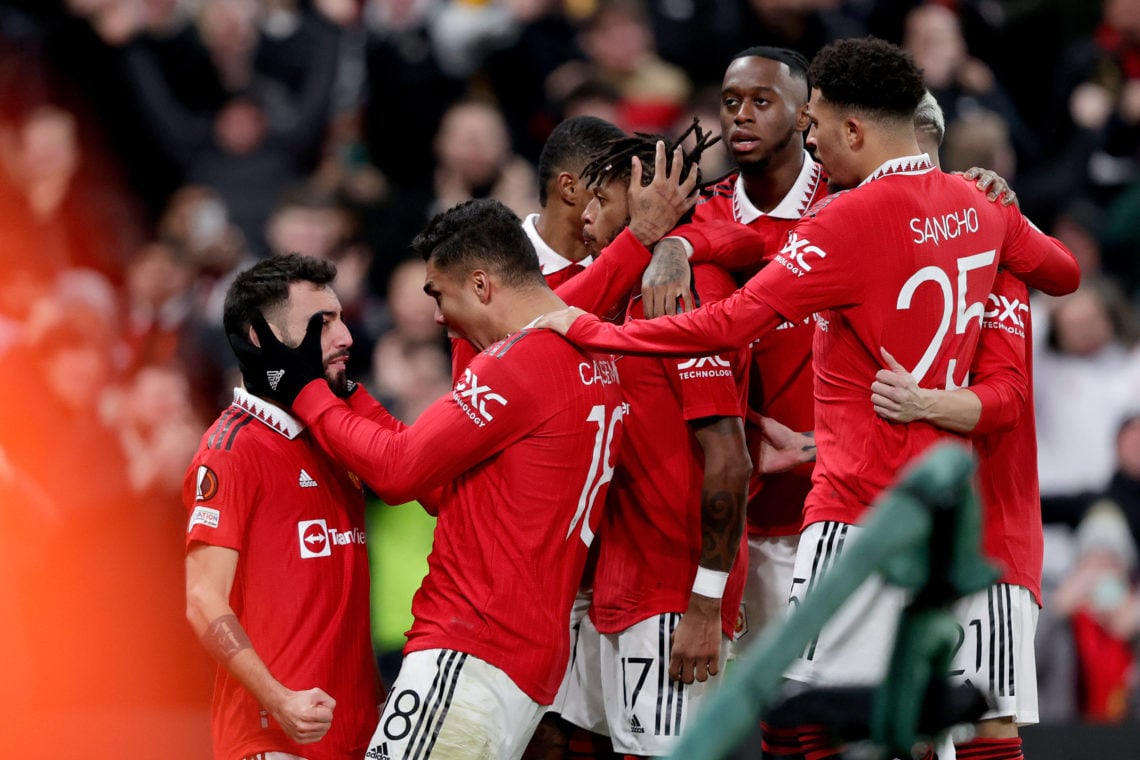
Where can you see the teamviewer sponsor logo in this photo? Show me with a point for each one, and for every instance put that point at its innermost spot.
(314, 538)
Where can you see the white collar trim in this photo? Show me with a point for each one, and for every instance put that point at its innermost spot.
(272, 416)
(920, 164)
(793, 206)
(549, 259)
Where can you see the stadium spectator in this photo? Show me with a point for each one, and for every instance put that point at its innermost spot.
(314, 221)
(475, 159)
(979, 138)
(1102, 603)
(410, 365)
(1087, 380)
(197, 225)
(55, 184)
(261, 140)
(802, 25)
(961, 82)
(156, 305)
(408, 90)
(1095, 134)
(276, 565)
(619, 47)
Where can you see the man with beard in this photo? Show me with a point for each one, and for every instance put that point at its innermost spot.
(276, 564)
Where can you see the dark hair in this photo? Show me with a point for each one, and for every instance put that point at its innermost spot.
(795, 61)
(265, 285)
(613, 162)
(570, 146)
(871, 75)
(480, 233)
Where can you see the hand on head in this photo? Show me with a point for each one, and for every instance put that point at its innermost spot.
(657, 207)
(274, 370)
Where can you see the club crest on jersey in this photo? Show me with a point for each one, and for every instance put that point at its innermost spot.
(796, 253)
(1005, 314)
(740, 627)
(475, 399)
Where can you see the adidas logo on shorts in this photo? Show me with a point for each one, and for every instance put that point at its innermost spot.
(378, 753)
(274, 377)
(635, 725)
(305, 480)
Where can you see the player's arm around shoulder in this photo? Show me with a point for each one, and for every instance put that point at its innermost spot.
(1039, 260)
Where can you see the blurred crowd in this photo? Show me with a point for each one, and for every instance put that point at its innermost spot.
(151, 149)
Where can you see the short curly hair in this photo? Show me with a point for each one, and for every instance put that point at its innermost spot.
(480, 233)
(869, 74)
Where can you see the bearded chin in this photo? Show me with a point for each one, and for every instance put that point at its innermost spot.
(338, 383)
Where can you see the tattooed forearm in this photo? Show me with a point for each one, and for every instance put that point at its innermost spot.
(225, 637)
(669, 265)
(809, 448)
(722, 525)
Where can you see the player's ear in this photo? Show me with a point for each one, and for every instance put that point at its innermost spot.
(567, 185)
(803, 119)
(853, 132)
(481, 284)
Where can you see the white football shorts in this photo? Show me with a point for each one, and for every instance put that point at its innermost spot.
(447, 704)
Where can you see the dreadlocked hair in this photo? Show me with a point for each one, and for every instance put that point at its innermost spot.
(612, 162)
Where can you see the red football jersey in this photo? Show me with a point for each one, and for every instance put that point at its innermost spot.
(1007, 459)
(556, 268)
(651, 529)
(913, 280)
(259, 484)
(524, 449)
(780, 381)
